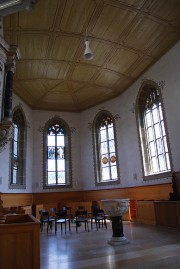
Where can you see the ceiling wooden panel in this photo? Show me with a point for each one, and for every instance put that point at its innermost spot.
(57, 70)
(110, 27)
(38, 45)
(121, 60)
(42, 17)
(126, 37)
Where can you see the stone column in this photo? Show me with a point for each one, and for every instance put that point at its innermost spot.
(12, 57)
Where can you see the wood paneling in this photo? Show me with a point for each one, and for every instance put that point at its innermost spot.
(154, 192)
(16, 199)
(145, 212)
(126, 37)
(20, 243)
(167, 213)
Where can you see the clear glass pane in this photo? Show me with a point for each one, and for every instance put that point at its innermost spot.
(154, 165)
(60, 152)
(51, 178)
(103, 136)
(168, 161)
(152, 148)
(155, 115)
(148, 119)
(61, 178)
(14, 180)
(51, 140)
(111, 146)
(163, 128)
(111, 133)
(159, 146)
(16, 133)
(61, 165)
(165, 144)
(60, 140)
(104, 148)
(114, 172)
(160, 112)
(150, 134)
(162, 163)
(157, 131)
(15, 148)
(105, 174)
(51, 165)
(51, 152)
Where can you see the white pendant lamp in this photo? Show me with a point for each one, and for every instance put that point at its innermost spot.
(88, 55)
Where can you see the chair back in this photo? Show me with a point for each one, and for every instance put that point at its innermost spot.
(62, 214)
(52, 211)
(81, 214)
(79, 208)
(44, 215)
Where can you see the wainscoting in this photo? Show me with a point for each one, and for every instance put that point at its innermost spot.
(58, 199)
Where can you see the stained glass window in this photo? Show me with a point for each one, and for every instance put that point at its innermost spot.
(58, 168)
(105, 149)
(154, 143)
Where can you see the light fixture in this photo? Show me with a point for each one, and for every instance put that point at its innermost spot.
(88, 55)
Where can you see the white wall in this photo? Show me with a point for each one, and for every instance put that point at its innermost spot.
(5, 155)
(166, 70)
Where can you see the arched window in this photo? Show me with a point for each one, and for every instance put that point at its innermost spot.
(18, 151)
(105, 149)
(153, 134)
(57, 154)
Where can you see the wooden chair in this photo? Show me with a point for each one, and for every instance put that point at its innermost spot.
(98, 216)
(45, 218)
(62, 219)
(81, 216)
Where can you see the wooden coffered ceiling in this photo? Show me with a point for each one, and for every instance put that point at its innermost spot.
(126, 37)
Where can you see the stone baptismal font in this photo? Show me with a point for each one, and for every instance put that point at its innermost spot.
(115, 209)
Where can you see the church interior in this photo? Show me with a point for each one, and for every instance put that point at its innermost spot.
(89, 120)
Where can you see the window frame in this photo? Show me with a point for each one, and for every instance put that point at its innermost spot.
(68, 161)
(97, 163)
(20, 121)
(140, 111)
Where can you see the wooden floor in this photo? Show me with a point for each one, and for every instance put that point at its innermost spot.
(150, 247)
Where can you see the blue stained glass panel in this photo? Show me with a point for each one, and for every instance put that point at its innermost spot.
(51, 152)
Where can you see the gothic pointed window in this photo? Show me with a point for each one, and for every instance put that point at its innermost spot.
(153, 133)
(18, 150)
(105, 149)
(57, 157)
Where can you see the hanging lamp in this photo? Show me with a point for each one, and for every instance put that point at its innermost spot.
(88, 55)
